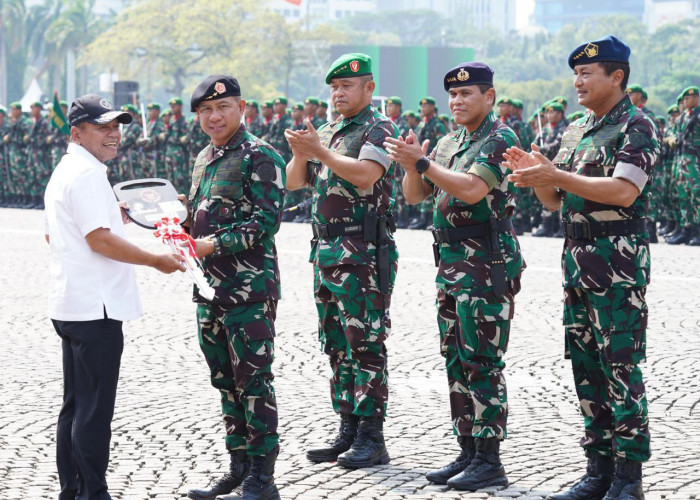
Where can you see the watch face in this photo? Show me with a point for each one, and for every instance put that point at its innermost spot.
(422, 165)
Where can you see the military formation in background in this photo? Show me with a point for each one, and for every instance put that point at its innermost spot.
(31, 145)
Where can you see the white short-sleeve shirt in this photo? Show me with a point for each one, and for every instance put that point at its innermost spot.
(84, 283)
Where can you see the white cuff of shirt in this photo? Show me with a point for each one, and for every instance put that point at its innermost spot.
(374, 153)
(631, 173)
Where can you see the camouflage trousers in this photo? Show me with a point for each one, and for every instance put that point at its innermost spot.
(353, 325)
(238, 345)
(474, 330)
(606, 341)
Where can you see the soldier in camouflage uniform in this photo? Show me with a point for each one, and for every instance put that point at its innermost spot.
(58, 141)
(197, 140)
(253, 120)
(431, 129)
(235, 205)
(354, 256)
(600, 179)
(550, 141)
(38, 154)
(280, 122)
(394, 111)
(297, 115)
(322, 111)
(132, 164)
(668, 153)
(177, 163)
(311, 105)
(4, 160)
(688, 170)
(152, 146)
(268, 113)
(18, 156)
(479, 267)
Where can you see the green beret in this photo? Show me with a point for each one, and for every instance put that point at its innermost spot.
(64, 103)
(692, 90)
(673, 109)
(444, 117)
(428, 100)
(517, 103)
(410, 114)
(561, 100)
(166, 112)
(323, 104)
(394, 100)
(153, 105)
(555, 106)
(16, 105)
(253, 104)
(504, 100)
(350, 66)
(533, 116)
(311, 100)
(299, 106)
(575, 115)
(281, 100)
(634, 88)
(267, 104)
(3, 111)
(175, 100)
(645, 95)
(660, 119)
(36, 104)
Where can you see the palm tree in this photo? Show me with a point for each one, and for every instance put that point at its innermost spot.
(12, 51)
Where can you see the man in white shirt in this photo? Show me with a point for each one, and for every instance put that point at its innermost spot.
(92, 291)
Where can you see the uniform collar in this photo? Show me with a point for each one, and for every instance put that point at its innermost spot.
(483, 128)
(360, 118)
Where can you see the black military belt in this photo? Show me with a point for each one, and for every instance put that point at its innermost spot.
(453, 234)
(332, 230)
(602, 229)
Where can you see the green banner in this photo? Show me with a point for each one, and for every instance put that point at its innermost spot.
(57, 119)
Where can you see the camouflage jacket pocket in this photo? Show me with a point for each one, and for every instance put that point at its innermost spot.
(227, 181)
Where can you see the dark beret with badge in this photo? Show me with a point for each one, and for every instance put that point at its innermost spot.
(214, 87)
(606, 49)
(350, 66)
(672, 110)
(468, 73)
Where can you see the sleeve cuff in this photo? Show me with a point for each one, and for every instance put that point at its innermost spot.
(485, 174)
(372, 152)
(631, 173)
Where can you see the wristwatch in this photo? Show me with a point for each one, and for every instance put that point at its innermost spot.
(422, 165)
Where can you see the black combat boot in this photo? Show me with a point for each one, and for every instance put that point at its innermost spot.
(680, 237)
(485, 469)
(12, 202)
(651, 227)
(260, 482)
(441, 476)
(546, 228)
(238, 470)
(340, 444)
(628, 481)
(667, 228)
(595, 483)
(368, 449)
(27, 201)
(694, 235)
(38, 203)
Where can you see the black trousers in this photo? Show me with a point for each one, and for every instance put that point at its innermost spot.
(92, 353)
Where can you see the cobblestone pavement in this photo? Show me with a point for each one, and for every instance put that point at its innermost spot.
(167, 430)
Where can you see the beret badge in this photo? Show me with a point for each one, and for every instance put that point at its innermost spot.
(463, 75)
(591, 50)
(355, 66)
(220, 87)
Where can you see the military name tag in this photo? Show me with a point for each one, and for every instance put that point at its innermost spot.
(150, 200)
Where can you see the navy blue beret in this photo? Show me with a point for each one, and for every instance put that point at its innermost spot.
(214, 87)
(468, 73)
(607, 49)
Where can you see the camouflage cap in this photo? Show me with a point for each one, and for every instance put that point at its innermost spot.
(635, 87)
(673, 109)
(16, 105)
(311, 100)
(175, 100)
(427, 100)
(253, 104)
(281, 100)
(350, 66)
(394, 100)
(692, 90)
(153, 105)
(554, 106)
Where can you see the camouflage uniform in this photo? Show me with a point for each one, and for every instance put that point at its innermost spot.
(276, 135)
(688, 159)
(132, 164)
(256, 126)
(402, 124)
(197, 140)
(38, 155)
(18, 155)
(153, 149)
(525, 200)
(4, 161)
(474, 322)
(429, 129)
(354, 320)
(236, 197)
(605, 280)
(177, 163)
(58, 145)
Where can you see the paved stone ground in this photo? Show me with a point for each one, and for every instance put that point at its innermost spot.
(167, 429)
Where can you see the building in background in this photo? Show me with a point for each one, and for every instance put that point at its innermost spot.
(321, 11)
(553, 14)
(660, 12)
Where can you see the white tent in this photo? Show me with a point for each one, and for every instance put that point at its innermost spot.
(32, 94)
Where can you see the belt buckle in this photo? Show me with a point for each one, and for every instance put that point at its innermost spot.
(582, 231)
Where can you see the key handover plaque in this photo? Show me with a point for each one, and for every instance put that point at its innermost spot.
(153, 204)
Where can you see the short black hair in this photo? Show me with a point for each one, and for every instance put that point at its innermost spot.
(483, 87)
(610, 67)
